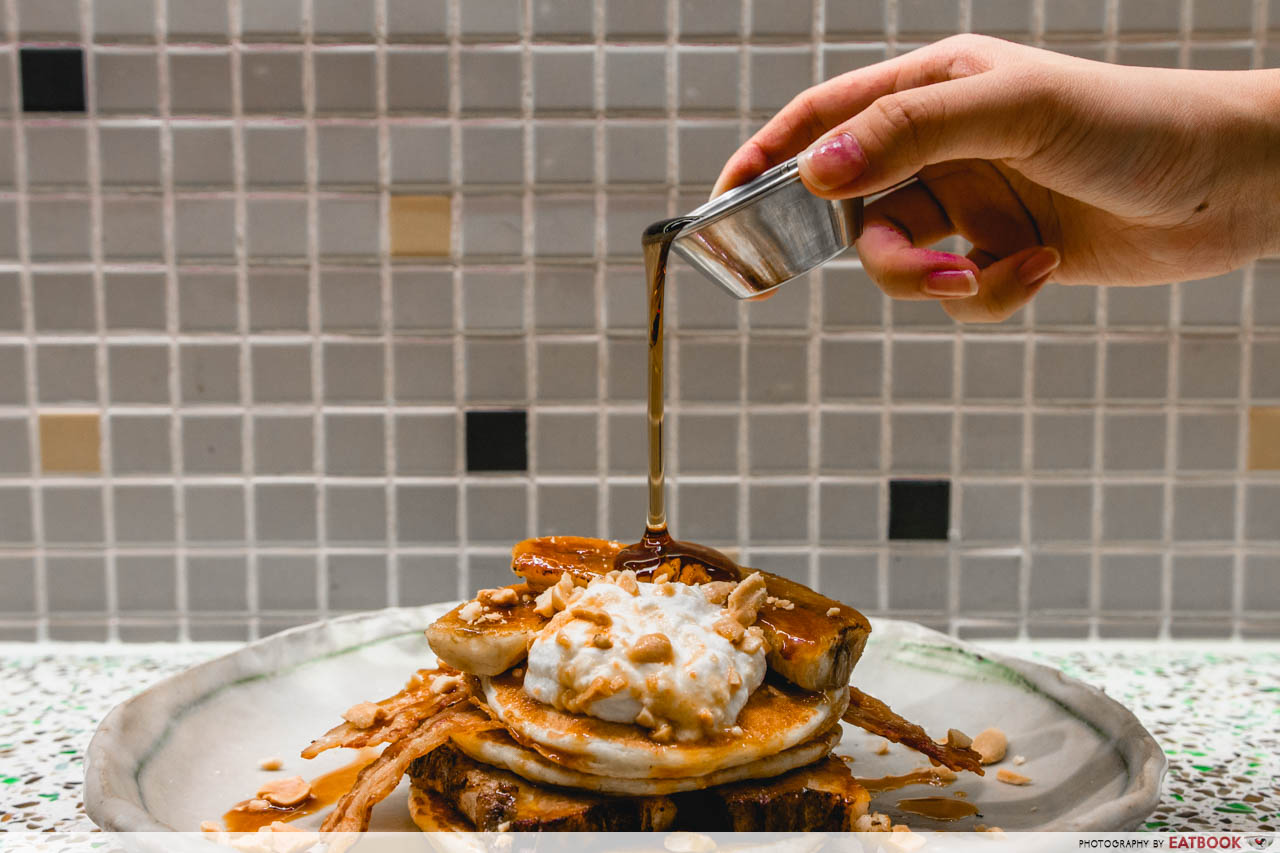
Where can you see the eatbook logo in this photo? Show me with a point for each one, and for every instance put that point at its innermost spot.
(1259, 842)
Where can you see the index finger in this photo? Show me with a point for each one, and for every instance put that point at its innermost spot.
(819, 108)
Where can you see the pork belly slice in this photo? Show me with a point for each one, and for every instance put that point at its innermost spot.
(822, 796)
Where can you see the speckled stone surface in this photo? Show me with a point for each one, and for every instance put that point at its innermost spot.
(1215, 710)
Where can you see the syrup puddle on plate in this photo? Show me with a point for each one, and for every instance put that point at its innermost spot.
(938, 808)
(325, 791)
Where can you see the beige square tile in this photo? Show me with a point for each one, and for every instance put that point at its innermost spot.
(1264, 438)
(69, 443)
(419, 225)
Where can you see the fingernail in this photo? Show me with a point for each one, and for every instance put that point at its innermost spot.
(1039, 265)
(833, 162)
(951, 283)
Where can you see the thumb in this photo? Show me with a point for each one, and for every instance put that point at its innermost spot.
(982, 117)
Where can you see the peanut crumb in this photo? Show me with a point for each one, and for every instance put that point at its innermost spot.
(591, 614)
(362, 715)
(491, 617)
(471, 611)
(652, 648)
(627, 582)
(991, 744)
(780, 603)
(445, 684)
(503, 597)
(728, 628)
(882, 748)
(946, 774)
(281, 826)
(732, 678)
(270, 764)
(210, 826)
(601, 641)
(663, 733)
(717, 592)
(833, 611)
(1019, 760)
(875, 822)
(285, 792)
(746, 599)
(1010, 778)
(257, 804)
(645, 718)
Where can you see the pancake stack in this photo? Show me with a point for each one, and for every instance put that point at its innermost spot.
(496, 738)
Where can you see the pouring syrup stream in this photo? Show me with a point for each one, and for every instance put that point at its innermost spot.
(656, 547)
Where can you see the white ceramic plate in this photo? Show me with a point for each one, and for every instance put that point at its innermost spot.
(188, 748)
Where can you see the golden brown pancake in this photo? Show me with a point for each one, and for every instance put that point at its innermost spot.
(499, 749)
(775, 718)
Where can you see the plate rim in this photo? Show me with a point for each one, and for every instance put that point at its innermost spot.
(113, 798)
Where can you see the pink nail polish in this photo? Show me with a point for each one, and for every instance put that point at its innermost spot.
(951, 283)
(833, 162)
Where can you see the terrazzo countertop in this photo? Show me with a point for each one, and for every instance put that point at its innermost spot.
(1215, 709)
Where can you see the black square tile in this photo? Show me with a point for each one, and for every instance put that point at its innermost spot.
(52, 79)
(919, 509)
(497, 441)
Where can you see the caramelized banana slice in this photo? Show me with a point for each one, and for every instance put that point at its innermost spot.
(486, 639)
(814, 640)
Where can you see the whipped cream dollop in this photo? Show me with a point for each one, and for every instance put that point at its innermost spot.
(648, 654)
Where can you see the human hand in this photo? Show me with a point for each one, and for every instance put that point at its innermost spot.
(1052, 167)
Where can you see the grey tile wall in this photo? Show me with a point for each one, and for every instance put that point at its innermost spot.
(208, 259)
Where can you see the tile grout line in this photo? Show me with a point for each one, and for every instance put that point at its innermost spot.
(457, 248)
(314, 251)
(27, 287)
(386, 312)
(248, 424)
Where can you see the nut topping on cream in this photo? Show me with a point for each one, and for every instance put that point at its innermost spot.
(653, 654)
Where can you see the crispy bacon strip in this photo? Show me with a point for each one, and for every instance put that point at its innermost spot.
(400, 714)
(380, 778)
(868, 712)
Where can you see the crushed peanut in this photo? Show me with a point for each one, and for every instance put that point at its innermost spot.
(503, 597)
(882, 748)
(627, 581)
(875, 822)
(652, 648)
(780, 603)
(645, 718)
(210, 826)
(663, 733)
(285, 792)
(753, 640)
(601, 641)
(1010, 778)
(717, 592)
(991, 745)
(491, 617)
(1019, 760)
(591, 614)
(729, 628)
(746, 599)
(833, 611)
(362, 715)
(471, 611)
(445, 684)
(257, 804)
(958, 739)
(946, 774)
(733, 678)
(270, 764)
